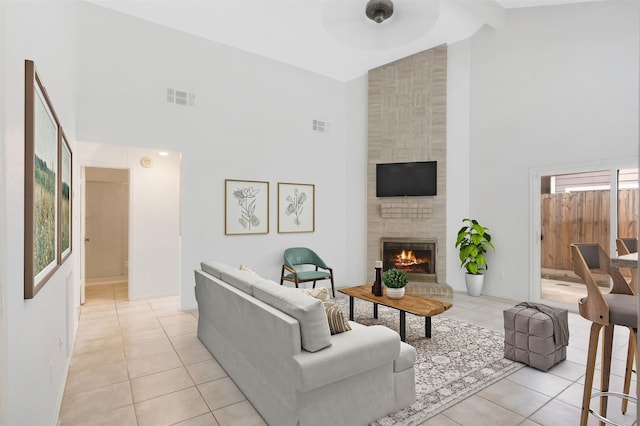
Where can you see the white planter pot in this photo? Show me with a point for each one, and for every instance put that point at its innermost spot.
(474, 284)
(395, 293)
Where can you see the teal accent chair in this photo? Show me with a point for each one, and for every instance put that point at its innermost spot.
(297, 257)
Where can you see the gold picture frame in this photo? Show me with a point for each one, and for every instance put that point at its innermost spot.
(296, 207)
(246, 207)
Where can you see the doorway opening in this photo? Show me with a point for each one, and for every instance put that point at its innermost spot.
(106, 233)
(594, 205)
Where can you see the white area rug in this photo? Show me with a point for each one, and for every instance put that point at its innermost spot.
(459, 360)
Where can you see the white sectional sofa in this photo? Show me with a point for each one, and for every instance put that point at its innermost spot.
(275, 343)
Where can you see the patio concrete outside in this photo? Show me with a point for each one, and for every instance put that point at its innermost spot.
(567, 288)
(565, 292)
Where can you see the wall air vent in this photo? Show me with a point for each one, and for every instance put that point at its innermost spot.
(320, 126)
(180, 97)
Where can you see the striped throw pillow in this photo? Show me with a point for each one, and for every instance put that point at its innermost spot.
(337, 322)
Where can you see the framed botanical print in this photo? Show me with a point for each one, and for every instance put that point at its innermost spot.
(246, 205)
(296, 207)
(41, 225)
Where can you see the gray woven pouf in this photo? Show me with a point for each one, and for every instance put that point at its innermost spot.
(529, 337)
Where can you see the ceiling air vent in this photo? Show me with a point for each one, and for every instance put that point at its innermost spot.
(180, 97)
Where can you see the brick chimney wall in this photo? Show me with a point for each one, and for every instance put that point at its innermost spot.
(407, 122)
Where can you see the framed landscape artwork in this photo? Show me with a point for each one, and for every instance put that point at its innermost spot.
(41, 227)
(296, 207)
(246, 205)
(65, 197)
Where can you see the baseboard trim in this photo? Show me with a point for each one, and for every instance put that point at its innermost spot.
(106, 280)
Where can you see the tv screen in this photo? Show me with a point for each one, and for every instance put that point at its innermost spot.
(406, 179)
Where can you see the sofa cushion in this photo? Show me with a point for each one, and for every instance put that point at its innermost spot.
(309, 311)
(213, 267)
(241, 280)
(350, 354)
(336, 319)
(406, 359)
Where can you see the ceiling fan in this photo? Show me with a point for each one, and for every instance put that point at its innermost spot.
(379, 24)
(379, 10)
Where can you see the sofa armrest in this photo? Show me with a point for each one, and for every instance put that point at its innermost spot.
(350, 353)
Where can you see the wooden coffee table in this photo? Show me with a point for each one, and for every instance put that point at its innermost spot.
(416, 305)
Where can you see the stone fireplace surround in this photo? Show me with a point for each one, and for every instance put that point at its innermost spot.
(407, 122)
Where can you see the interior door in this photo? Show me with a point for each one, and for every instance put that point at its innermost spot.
(106, 225)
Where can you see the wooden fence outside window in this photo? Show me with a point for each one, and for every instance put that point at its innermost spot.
(583, 216)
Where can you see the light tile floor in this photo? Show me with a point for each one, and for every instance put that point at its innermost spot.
(141, 363)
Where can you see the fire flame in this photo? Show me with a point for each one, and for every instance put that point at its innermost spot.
(406, 258)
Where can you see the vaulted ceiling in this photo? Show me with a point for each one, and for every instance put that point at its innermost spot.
(333, 38)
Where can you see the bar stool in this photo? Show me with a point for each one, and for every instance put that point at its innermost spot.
(618, 307)
(628, 246)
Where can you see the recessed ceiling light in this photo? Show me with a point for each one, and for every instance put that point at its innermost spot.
(163, 153)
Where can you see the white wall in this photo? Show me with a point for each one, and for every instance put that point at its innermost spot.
(458, 146)
(35, 336)
(555, 85)
(252, 120)
(154, 252)
(3, 241)
(356, 185)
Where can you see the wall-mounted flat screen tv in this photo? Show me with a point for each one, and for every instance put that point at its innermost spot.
(406, 179)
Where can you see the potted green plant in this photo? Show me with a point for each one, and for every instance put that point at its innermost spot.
(395, 280)
(473, 241)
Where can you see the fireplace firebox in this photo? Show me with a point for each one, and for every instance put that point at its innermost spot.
(417, 257)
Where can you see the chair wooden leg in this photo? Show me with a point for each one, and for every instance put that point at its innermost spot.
(631, 354)
(607, 349)
(333, 287)
(590, 368)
